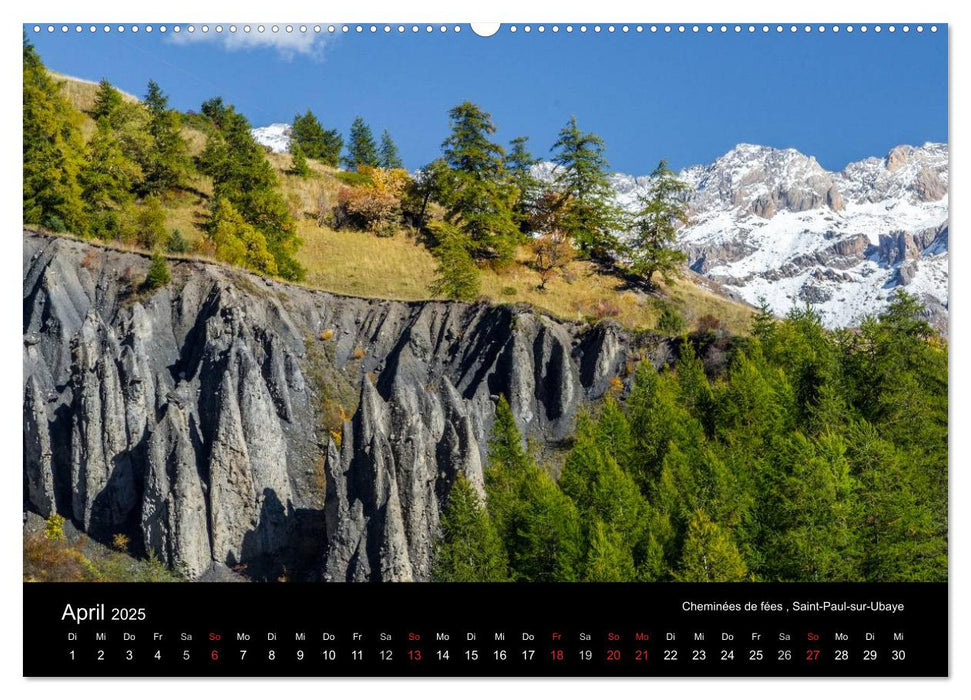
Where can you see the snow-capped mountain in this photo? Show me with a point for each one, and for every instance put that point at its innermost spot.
(276, 137)
(773, 223)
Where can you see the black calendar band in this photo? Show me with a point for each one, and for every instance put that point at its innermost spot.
(342, 630)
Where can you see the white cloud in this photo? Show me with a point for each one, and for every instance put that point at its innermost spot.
(287, 44)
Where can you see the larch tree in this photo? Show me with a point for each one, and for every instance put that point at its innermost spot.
(361, 148)
(592, 219)
(655, 226)
(477, 194)
(388, 156)
(469, 549)
(53, 151)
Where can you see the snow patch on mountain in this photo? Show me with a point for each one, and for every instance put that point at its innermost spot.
(276, 137)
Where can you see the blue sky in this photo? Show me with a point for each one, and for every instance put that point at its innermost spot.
(685, 97)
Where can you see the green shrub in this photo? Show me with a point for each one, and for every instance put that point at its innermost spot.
(178, 243)
(54, 528)
(456, 276)
(158, 273)
(671, 321)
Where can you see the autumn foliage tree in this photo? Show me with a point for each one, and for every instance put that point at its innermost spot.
(551, 245)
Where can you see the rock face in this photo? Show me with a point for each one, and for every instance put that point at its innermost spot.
(230, 421)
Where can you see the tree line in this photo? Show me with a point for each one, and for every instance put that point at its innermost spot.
(477, 203)
(811, 456)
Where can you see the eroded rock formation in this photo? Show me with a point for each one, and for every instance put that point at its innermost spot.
(228, 419)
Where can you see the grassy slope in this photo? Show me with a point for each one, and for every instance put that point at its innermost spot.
(361, 264)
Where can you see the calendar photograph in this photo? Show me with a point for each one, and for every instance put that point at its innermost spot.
(515, 306)
(291, 316)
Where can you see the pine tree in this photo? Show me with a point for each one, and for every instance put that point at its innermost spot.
(361, 148)
(655, 226)
(519, 165)
(763, 321)
(591, 219)
(477, 195)
(243, 176)
(608, 556)
(318, 143)
(158, 273)
(106, 101)
(107, 178)
(236, 241)
(508, 470)
(469, 549)
(299, 166)
(710, 555)
(456, 274)
(388, 157)
(53, 151)
(168, 163)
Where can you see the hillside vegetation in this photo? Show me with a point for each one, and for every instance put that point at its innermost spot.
(394, 258)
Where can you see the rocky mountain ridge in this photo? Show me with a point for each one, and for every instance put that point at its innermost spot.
(774, 224)
(227, 420)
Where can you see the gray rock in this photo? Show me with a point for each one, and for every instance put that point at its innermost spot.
(214, 423)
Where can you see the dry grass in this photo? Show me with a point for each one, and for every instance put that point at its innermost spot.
(81, 93)
(352, 262)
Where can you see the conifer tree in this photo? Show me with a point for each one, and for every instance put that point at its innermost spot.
(475, 191)
(655, 226)
(361, 148)
(598, 486)
(388, 157)
(299, 166)
(106, 100)
(243, 176)
(548, 541)
(318, 143)
(236, 241)
(456, 274)
(470, 549)
(810, 505)
(710, 555)
(158, 273)
(53, 151)
(168, 161)
(763, 321)
(107, 178)
(608, 556)
(591, 219)
(519, 165)
(508, 470)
